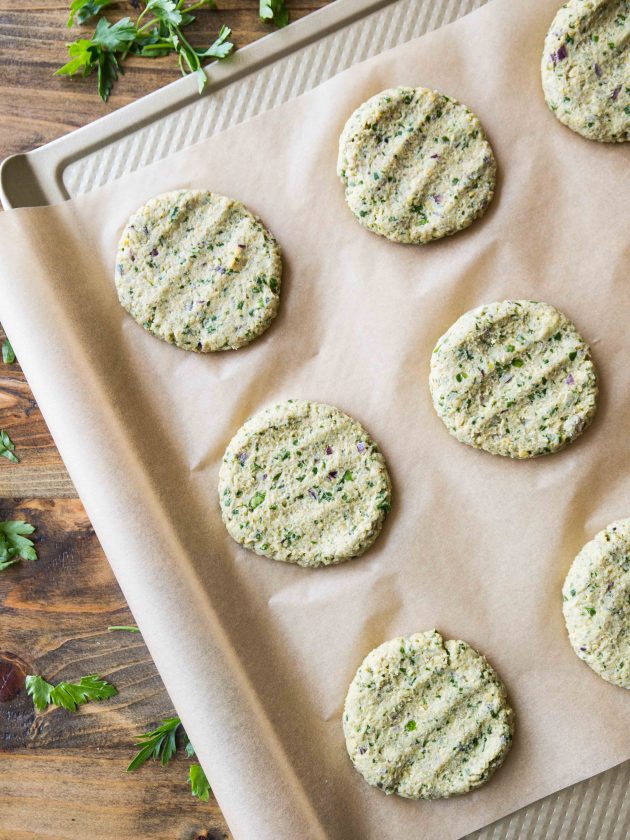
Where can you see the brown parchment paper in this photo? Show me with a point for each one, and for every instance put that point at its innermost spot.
(257, 655)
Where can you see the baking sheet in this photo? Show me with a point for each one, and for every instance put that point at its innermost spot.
(257, 656)
(258, 77)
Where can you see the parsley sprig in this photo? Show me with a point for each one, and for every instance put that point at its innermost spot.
(268, 10)
(160, 744)
(100, 53)
(199, 784)
(82, 10)
(14, 545)
(274, 11)
(157, 31)
(8, 356)
(68, 695)
(7, 447)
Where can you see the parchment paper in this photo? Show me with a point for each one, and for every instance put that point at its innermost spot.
(257, 655)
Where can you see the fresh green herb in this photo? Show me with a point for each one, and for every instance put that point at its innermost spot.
(68, 695)
(82, 10)
(7, 447)
(99, 53)
(159, 35)
(517, 362)
(274, 11)
(257, 499)
(199, 784)
(13, 544)
(39, 690)
(8, 356)
(160, 744)
(422, 216)
(130, 628)
(170, 18)
(347, 476)
(572, 355)
(410, 725)
(590, 610)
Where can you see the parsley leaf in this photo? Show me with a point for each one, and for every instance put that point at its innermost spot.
(71, 695)
(257, 499)
(68, 695)
(39, 690)
(165, 11)
(7, 447)
(13, 544)
(82, 10)
(97, 53)
(159, 744)
(108, 70)
(8, 356)
(199, 784)
(221, 48)
(114, 36)
(82, 58)
(275, 11)
(189, 57)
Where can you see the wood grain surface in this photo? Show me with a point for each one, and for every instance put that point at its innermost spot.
(62, 775)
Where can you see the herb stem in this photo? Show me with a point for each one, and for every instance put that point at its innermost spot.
(140, 16)
(195, 6)
(147, 25)
(196, 64)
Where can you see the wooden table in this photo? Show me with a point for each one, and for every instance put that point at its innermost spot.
(63, 775)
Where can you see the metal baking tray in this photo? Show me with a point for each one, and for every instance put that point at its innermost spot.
(273, 70)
